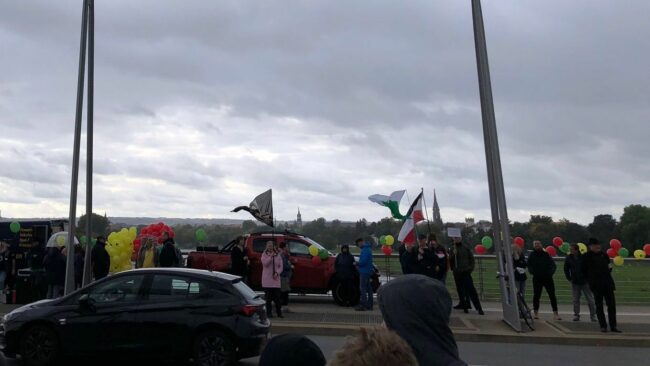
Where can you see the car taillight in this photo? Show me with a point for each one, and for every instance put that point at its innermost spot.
(249, 310)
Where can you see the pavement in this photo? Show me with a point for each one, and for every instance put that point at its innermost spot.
(320, 317)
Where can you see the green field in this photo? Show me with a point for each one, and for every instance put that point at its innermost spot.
(632, 281)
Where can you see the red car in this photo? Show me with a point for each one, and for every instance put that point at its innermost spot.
(307, 277)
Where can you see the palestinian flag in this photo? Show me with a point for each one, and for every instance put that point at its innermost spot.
(413, 216)
(392, 202)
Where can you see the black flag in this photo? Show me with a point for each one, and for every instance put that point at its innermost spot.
(261, 208)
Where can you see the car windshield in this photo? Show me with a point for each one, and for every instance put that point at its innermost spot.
(245, 290)
(311, 242)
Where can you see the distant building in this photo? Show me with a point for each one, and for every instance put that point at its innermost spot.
(298, 219)
(437, 219)
(469, 221)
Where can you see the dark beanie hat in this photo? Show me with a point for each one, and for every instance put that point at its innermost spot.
(593, 241)
(292, 350)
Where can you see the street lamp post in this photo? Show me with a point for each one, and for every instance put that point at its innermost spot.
(500, 223)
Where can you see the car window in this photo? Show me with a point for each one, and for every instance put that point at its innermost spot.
(298, 248)
(245, 291)
(166, 288)
(259, 245)
(122, 289)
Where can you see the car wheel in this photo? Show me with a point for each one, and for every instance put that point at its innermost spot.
(39, 346)
(342, 298)
(213, 348)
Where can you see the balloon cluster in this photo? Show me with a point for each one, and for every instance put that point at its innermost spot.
(387, 242)
(154, 231)
(119, 246)
(617, 252)
(486, 243)
(318, 255)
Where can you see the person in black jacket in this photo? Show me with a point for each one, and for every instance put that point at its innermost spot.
(239, 261)
(100, 260)
(542, 267)
(596, 268)
(443, 258)
(409, 259)
(462, 263)
(54, 263)
(168, 256)
(579, 285)
(346, 274)
(427, 259)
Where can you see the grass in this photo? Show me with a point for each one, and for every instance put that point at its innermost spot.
(632, 284)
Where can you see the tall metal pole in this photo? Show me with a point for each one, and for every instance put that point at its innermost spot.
(500, 223)
(69, 268)
(87, 278)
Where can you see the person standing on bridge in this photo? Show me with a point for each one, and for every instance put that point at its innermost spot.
(285, 276)
(366, 270)
(271, 270)
(579, 285)
(100, 260)
(596, 267)
(462, 263)
(239, 263)
(542, 267)
(346, 272)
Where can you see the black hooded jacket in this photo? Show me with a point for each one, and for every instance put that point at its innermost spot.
(422, 320)
(344, 265)
(597, 271)
(291, 350)
(168, 257)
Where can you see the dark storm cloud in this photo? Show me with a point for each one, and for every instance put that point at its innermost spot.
(203, 104)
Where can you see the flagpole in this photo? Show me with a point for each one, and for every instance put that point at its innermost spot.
(426, 212)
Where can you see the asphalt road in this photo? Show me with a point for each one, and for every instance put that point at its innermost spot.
(504, 354)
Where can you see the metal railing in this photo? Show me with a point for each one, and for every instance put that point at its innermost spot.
(632, 279)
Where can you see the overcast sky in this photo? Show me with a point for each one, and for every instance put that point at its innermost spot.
(201, 105)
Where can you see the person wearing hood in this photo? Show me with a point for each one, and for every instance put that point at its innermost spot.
(100, 260)
(542, 267)
(54, 264)
(418, 309)
(462, 262)
(579, 285)
(346, 273)
(291, 350)
(366, 270)
(148, 255)
(168, 254)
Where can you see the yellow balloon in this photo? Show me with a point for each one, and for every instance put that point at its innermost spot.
(389, 240)
(639, 254)
(60, 240)
(618, 260)
(582, 247)
(133, 232)
(313, 250)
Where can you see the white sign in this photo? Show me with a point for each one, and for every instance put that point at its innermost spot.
(453, 232)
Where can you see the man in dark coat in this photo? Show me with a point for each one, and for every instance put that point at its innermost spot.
(239, 260)
(461, 259)
(54, 263)
(427, 259)
(422, 320)
(596, 268)
(346, 273)
(542, 267)
(579, 285)
(168, 255)
(101, 261)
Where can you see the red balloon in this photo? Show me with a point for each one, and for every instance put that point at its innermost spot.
(551, 251)
(615, 244)
(480, 249)
(519, 241)
(387, 250)
(612, 253)
(557, 241)
(316, 260)
(646, 249)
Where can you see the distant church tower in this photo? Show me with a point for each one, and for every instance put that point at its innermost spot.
(437, 219)
(299, 219)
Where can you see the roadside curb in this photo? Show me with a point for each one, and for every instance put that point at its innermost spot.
(336, 330)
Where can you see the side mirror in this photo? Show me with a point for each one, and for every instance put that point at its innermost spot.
(86, 303)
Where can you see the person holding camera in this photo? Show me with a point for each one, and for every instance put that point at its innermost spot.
(271, 269)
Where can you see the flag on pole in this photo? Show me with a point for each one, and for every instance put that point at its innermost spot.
(261, 208)
(413, 216)
(392, 202)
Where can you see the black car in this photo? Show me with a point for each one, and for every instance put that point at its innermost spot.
(211, 318)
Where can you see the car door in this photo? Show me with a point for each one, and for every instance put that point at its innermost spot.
(306, 275)
(170, 309)
(108, 326)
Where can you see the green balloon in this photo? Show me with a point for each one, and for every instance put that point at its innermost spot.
(82, 240)
(93, 241)
(382, 240)
(14, 227)
(623, 252)
(487, 242)
(565, 247)
(323, 254)
(201, 235)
